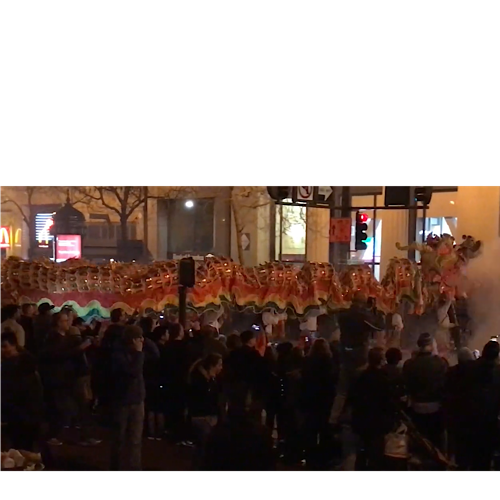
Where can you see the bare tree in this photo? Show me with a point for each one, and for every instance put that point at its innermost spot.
(244, 201)
(122, 200)
(24, 198)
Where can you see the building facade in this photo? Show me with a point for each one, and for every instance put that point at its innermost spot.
(244, 224)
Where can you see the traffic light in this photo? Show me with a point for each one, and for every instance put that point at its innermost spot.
(279, 193)
(423, 194)
(361, 228)
(397, 196)
(187, 272)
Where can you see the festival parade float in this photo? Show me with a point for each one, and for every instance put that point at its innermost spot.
(273, 289)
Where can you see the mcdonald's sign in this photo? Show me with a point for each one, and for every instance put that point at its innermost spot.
(5, 237)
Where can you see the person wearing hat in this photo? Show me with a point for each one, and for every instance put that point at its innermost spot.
(42, 325)
(424, 376)
(10, 316)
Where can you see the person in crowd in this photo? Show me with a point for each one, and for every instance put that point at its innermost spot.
(204, 397)
(59, 369)
(83, 388)
(10, 321)
(152, 378)
(374, 411)
(424, 377)
(22, 394)
(233, 342)
(42, 325)
(196, 345)
(319, 379)
(246, 367)
(394, 372)
(241, 430)
(286, 392)
(128, 400)
(101, 373)
(456, 399)
(147, 325)
(211, 343)
(357, 325)
(480, 430)
(175, 369)
(26, 321)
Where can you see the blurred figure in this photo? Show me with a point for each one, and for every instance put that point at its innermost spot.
(175, 372)
(240, 431)
(204, 399)
(374, 411)
(128, 401)
(319, 379)
(457, 394)
(424, 377)
(357, 325)
(10, 321)
(42, 325)
(394, 372)
(22, 395)
(482, 409)
(233, 342)
(211, 344)
(59, 361)
(26, 321)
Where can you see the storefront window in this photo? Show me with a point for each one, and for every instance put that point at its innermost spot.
(371, 255)
(291, 223)
(190, 226)
(437, 226)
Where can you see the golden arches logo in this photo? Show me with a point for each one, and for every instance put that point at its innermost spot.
(17, 237)
(5, 237)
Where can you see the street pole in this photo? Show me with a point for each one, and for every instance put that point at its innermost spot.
(145, 217)
(182, 305)
(412, 223)
(345, 248)
(335, 201)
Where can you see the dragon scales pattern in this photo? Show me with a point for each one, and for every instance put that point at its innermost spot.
(274, 285)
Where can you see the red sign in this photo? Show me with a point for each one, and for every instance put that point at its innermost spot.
(69, 246)
(340, 230)
(5, 237)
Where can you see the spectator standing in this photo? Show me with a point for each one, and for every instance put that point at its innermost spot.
(42, 325)
(26, 321)
(10, 321)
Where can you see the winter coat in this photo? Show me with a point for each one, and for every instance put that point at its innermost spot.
(127, 377)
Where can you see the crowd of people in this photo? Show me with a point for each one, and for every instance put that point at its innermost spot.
(144, 379)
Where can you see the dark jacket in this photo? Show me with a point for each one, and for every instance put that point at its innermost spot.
(42, 326)
(424, 377)
(483, 402)
(213, 346)
(319, 379)
(395, 377)
(374, 409)
(127, 377)
(27, 323)
(457, 393)
(357, 325)
(203, 394)
(246, 366)
(59, 361)
(224, 449)
(175, 365)
(22, 392)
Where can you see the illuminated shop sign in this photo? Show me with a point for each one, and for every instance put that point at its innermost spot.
(43, 223)
(5, 237)
(68, 246)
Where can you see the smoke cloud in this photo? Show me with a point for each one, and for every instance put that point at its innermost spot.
(483, 289)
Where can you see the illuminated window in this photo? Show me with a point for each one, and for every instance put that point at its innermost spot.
(291, 224)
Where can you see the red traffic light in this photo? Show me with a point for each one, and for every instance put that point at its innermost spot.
(363, 217)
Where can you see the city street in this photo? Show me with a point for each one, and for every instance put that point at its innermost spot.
(156, 455)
